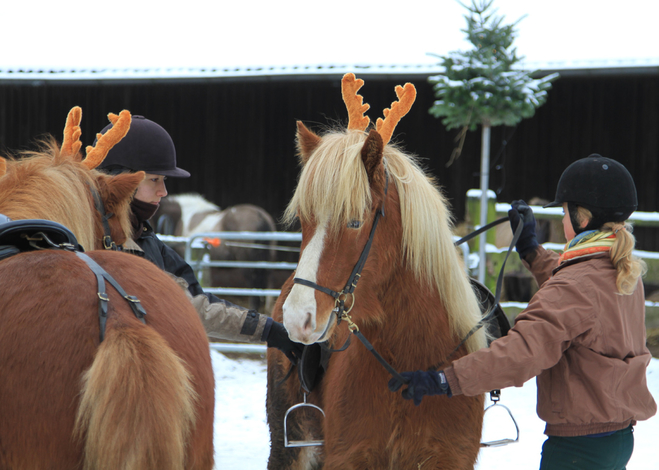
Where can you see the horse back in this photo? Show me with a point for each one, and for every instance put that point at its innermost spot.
(50, 341)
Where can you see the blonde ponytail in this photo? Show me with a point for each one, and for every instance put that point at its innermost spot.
(629, 267)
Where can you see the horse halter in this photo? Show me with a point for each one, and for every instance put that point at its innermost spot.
(349, 289)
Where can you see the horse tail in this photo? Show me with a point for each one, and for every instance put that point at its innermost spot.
(137, 404)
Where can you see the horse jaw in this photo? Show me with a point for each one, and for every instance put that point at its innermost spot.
(300, 309)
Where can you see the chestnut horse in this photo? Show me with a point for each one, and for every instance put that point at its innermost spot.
(413, 302)
(143, 397)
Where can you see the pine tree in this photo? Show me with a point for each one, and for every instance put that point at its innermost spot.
(484, 86)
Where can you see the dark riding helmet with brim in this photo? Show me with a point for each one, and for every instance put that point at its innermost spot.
(147, 147)
(601, 185)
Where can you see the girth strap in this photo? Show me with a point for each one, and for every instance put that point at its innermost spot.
(102, 276)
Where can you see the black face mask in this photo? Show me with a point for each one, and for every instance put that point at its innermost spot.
(142, 211)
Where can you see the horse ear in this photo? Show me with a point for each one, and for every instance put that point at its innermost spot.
(122, 186)
(3, 166)
(372, 153)
(306, 142)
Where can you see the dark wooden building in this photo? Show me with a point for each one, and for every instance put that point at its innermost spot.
(236, 134)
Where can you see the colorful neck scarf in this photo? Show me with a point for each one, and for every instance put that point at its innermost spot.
(587, 243)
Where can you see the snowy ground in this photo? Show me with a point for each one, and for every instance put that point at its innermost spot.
(242, 440)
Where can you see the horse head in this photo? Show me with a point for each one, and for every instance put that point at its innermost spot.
(342, 192)
(56, 183)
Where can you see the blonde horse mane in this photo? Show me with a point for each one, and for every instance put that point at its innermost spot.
(333, 185)
(46, 182)
(43, 172)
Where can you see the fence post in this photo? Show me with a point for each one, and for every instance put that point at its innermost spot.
(472, 218)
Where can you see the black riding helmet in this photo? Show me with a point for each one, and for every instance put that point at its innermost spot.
(147, 147)
(601, 185)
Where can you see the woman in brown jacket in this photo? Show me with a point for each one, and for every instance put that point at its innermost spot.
(582, 334)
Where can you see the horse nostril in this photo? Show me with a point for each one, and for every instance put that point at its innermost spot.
(307, 323)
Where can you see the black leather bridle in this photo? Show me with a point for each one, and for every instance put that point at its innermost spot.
(340, 297)
(108, 243)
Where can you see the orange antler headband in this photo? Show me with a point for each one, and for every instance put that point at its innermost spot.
(356, 109)
(104, 142)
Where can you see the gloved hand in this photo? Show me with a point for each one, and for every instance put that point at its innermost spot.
(278, 338)
(527, 242)
(421, 383)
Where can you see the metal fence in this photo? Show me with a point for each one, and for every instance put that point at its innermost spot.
(198, 257)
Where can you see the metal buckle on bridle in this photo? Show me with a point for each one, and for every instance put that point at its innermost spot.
(495, 396)
(108, 244)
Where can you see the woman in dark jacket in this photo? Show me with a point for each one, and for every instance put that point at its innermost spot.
(148, 147)
(582, 334)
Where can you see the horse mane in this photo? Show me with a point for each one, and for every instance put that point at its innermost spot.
(334, 185)
(40, 172)
(45, 183)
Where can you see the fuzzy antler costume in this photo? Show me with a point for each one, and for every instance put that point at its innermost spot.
(356, 108)
(104, 142)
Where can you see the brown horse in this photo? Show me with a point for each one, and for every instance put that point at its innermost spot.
(191, 214)
(413, 302)
(141, 399)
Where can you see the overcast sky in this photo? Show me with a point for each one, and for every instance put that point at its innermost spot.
(239, 33)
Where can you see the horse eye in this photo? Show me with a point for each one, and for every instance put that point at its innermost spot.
(354, 224)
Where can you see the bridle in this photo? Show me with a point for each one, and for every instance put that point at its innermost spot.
(348, 291)
(108, 243)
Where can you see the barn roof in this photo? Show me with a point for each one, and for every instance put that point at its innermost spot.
(583, 67)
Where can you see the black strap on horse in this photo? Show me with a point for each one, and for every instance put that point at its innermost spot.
(102, 276)
(497, 295)
(108, 244)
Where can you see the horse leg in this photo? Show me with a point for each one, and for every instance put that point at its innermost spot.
(280, 397)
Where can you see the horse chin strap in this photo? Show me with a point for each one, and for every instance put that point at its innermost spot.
(108, 243)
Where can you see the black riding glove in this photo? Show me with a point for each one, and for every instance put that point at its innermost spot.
(278, 338)
(527, 242)
(421, 383)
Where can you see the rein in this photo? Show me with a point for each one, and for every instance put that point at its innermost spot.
(348, 290)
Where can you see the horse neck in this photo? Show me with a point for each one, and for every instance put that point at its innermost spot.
(59, 197)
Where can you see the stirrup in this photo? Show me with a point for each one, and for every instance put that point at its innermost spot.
(309, 443)
(495, 396)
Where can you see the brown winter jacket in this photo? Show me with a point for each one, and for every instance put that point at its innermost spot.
(583, 341)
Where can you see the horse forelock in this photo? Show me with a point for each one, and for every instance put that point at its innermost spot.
(42, 185)
(333, 184)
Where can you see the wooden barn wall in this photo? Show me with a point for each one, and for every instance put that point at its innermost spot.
(237, 137)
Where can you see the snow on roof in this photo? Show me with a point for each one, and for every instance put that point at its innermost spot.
(574, 67)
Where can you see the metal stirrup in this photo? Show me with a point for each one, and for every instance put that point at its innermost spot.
(495, 396)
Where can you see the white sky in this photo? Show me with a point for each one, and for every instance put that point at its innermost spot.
(240, 33)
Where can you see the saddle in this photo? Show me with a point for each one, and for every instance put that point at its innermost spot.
(17, 236)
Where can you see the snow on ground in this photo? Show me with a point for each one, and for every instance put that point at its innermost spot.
(242, 440)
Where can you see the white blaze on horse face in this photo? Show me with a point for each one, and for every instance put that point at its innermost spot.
(300, 305)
